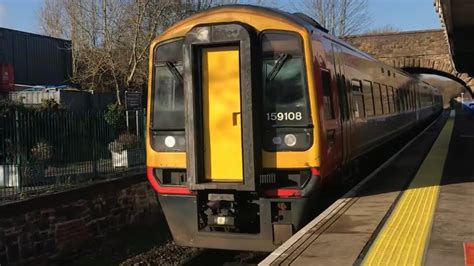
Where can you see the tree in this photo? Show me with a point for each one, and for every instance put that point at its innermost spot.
(340, 17)
(111, 38)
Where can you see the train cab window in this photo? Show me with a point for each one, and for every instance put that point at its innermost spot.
(368, 98)
(377, 99)
(390, 99)
(168, 92)
(167, 117)
(358, 109)
(327, 96)
(285, 99)
(385, 107)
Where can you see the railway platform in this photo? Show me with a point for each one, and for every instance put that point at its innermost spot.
(416, 209)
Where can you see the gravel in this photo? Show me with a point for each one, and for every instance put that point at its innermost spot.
(168, 254)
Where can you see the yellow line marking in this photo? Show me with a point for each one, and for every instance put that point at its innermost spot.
(403, 239)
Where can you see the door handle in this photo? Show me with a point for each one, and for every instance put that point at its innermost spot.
(235, 118)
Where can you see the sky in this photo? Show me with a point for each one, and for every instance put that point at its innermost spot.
(402, 14)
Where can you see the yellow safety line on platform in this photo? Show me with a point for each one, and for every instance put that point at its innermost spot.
(404, 237)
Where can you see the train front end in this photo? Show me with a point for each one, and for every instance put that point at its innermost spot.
(232, 135)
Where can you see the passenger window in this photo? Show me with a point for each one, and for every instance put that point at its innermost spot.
(407, 99)
(406, 94)
(400, 99)
(410, 98)
(327, 96)
(386, 109)
(358, 108)
(390, 99)
(413, 97)
(377, 99)
(368, 98)
(418, 98)
(396, 97)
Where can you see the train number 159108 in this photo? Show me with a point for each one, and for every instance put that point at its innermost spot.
(280, 116)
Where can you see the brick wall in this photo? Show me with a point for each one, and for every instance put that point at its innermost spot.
(34, 230)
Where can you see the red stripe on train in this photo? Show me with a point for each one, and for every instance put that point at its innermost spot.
(174, 190)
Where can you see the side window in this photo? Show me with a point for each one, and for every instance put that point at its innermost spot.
(377, 99)
(390, 99)
(368, 98)
(410, 98)
(358, 109)
(386, 110)
(406, 98)
(414, 97)
(401, 94)
(396, 97)
(327, 96)
(418, 98)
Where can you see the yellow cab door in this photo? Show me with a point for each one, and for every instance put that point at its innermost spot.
(221, 114)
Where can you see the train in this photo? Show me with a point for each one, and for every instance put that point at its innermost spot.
(252, 111)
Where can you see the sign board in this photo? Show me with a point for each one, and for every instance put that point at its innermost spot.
(133, 100)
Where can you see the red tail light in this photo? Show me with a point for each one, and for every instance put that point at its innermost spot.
(282, 193)
(174, 190)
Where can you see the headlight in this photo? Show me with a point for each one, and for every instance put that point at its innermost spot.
(168, 141)
(290, 140)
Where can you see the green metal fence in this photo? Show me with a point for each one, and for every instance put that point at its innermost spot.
(47, 151)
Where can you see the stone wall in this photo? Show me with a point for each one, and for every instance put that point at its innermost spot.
(393, 46)
(35, 230)
(416, 51)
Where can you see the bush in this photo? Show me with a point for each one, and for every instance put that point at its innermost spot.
(8, 106)
(125, 141)
(115, 117)
(49, 105)
(42, 151)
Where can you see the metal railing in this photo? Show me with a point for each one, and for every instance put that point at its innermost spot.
(43, 152)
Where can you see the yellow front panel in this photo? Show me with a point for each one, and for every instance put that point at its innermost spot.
(222, 120)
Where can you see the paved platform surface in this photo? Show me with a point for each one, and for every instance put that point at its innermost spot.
(453, 222)
(418, 209)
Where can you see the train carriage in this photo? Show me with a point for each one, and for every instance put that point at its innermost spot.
(252, 110)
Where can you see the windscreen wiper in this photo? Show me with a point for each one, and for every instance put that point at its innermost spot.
(278, 65)
(172, 68)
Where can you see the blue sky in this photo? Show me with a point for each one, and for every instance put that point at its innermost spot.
(401, 14)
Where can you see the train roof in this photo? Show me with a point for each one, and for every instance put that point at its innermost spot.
(297, 18)
(300, 19)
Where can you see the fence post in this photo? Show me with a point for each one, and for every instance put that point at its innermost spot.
(136, 122)
(17, 149)
(94, 143)
(126, 121)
